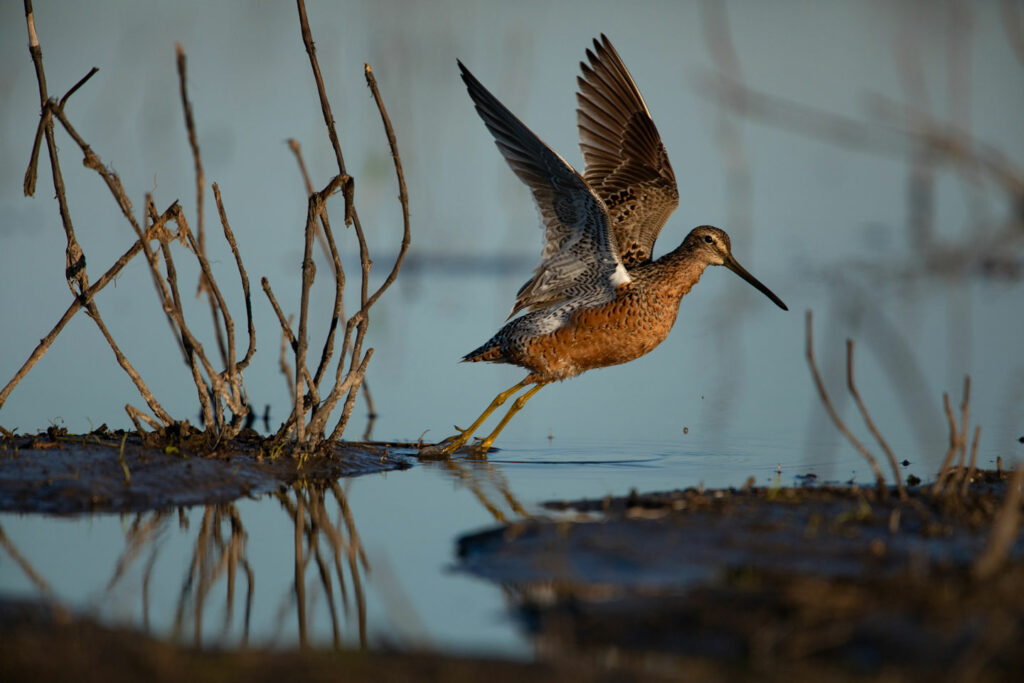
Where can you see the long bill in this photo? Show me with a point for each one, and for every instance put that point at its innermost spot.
(733, 265)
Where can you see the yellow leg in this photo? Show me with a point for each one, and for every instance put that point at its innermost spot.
(484, 445)
(453, 443)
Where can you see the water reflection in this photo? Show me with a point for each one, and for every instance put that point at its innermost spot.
(307, 507)
(329, 560)
(488, 484)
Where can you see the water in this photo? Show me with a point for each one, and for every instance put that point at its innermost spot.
(407, 522)
(828, 225)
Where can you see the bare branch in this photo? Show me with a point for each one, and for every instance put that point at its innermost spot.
(1005, 528)
(403, 195)
(870, 423)
(75, 259)
(974, 459)
(230, 237)
(840, 425)
(48, 340)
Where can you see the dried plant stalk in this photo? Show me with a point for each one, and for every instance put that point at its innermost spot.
(840, 425)
(220, 391)
(216, 390)
(870, 423)
(974, 459)
(313, 404)
(957, 439)
(1005, 528)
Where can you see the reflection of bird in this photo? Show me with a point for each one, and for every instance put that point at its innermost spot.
(597, 298)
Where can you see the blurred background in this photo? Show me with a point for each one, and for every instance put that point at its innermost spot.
(864, 156)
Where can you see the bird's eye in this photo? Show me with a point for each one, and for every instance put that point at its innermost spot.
(709, 239)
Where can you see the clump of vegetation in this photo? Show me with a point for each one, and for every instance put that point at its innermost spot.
(224, 404)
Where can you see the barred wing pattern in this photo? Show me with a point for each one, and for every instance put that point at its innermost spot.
(626, 163)
(579, 265)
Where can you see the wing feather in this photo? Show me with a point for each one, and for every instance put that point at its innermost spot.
(580, 262)
(626, 163)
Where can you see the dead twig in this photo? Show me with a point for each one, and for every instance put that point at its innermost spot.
(840, 425)
(974, 459)
(217, 389)
(296, 149)
(957, 440)
(309, 413)
(870, 423)
(204, 286)
(1005, 528)
(74, 270)
(87, 296)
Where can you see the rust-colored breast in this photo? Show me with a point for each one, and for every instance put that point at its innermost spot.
(614, 333)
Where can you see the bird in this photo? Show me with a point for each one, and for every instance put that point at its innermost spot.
(597, 298)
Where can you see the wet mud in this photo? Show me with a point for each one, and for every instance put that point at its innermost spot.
(58, 473)
(31, 632)
(819, 582)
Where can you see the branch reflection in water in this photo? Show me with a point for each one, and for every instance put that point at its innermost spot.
(325, 536)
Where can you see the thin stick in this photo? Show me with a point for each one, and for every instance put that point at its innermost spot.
(193, 349)
(371, 411)
(126, 365)
(317, 203)
(1005, 528)
(92, 160)
(956, 439)
(204, 278)
(47, 341)
(296, 149)
(338, 312)
(369, 300)
(308, 274)
(193, 143)
(326, 239)
(354, 380)
(325, 105)
(840, 425)
(965, 404)
(403, 195)
(974, 458)
(76, 86)
(283, 360)
(870, 423)
(217, 300)
(286, 330)
(29, 184)
(229, 235)
(75, 259)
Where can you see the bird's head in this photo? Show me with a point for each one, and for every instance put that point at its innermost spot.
(711, 245)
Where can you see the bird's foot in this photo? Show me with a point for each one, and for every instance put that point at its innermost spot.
(480, 449)
(444, 448)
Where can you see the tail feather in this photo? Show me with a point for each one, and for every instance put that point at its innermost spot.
(487, 353)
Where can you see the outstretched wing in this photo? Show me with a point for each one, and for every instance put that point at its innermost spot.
(579, 259)
(626, 163)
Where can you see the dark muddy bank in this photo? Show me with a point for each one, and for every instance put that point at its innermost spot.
(826, 582)
(115, 472)
(30, 634)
